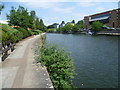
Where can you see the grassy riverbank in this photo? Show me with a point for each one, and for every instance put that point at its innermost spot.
(58, 64)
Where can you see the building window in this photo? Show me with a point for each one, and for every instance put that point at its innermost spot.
(113, 24)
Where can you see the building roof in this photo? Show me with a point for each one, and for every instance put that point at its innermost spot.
(102, 13)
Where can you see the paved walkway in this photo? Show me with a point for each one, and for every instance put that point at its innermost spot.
(19, 70)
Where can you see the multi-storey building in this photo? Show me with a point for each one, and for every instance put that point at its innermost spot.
(109, 18)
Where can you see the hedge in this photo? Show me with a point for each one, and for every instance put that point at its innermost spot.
(13, 34)
(36, 32)
(25, 32)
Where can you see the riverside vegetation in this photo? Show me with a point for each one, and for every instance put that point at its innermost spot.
(14, 35)
(58, 64)
(21, 24)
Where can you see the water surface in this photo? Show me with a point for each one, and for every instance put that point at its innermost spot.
(95, 58)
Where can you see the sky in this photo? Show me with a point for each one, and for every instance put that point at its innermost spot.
(56, 11)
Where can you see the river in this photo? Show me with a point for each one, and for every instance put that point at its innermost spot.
(95, 58)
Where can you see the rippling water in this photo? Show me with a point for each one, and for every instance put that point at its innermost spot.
(95, 58)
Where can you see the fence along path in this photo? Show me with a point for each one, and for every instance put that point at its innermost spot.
(5, 49)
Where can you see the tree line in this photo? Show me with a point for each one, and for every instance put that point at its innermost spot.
(22, 18)
(68, 27)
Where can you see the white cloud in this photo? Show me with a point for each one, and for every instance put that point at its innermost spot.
(64, 10)
(85, 4)
(41, 4)
(3, 21)
(100, 9)
(49, 20)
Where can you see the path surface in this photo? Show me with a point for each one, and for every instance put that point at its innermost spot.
(19, 70)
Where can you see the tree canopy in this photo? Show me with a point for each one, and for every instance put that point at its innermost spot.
(78, 26)
(21, 17)
(96, 26)
(67, 28)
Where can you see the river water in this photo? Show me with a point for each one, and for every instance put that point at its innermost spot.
(95, 58)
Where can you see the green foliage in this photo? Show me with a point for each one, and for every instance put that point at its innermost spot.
(36, 32)
(11, 34)
(1, 7)
(20, 17)
(59, 65)
(78, 26)
(25, 32)
(67, 28)
(37, 23)
(52, 26)
(42, 27)
(96, 26)
(73, 21)
(51, 30)
(58, 30)
(3, 36)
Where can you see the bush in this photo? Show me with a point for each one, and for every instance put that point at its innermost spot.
(96, 26)
(51, 30)
(59, 65)
(4, 36)
(76, 28)
(24, 32)
(36, 32)
(58, 30)
(12, 34)
(67, 28)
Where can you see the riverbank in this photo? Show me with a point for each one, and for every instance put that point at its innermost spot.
(114, 33)
(20, 69)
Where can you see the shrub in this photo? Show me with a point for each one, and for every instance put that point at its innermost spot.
(24, 32)
(67, 28)
(36, 32)
(96, 26)
(59, 65)
(12, 34)
(4, 36)
(76, 28)
(58, 30)
(29, 32)
(51, 30)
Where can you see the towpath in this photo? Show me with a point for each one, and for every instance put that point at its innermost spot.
(19, 70)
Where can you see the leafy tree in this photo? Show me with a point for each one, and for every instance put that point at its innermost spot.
(51, 26)
(33, 14)
(1, 7)
(32, 20)
(42, 26)
(19, 17)
(11, 17)
(78, 26)
(37, 23)
(63, 22)
(73, 21)
(58, 29)
(67, 28)
(96, 26)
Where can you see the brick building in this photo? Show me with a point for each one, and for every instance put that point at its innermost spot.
(109, 18)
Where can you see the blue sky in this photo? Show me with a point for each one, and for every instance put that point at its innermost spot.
(57, 11)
